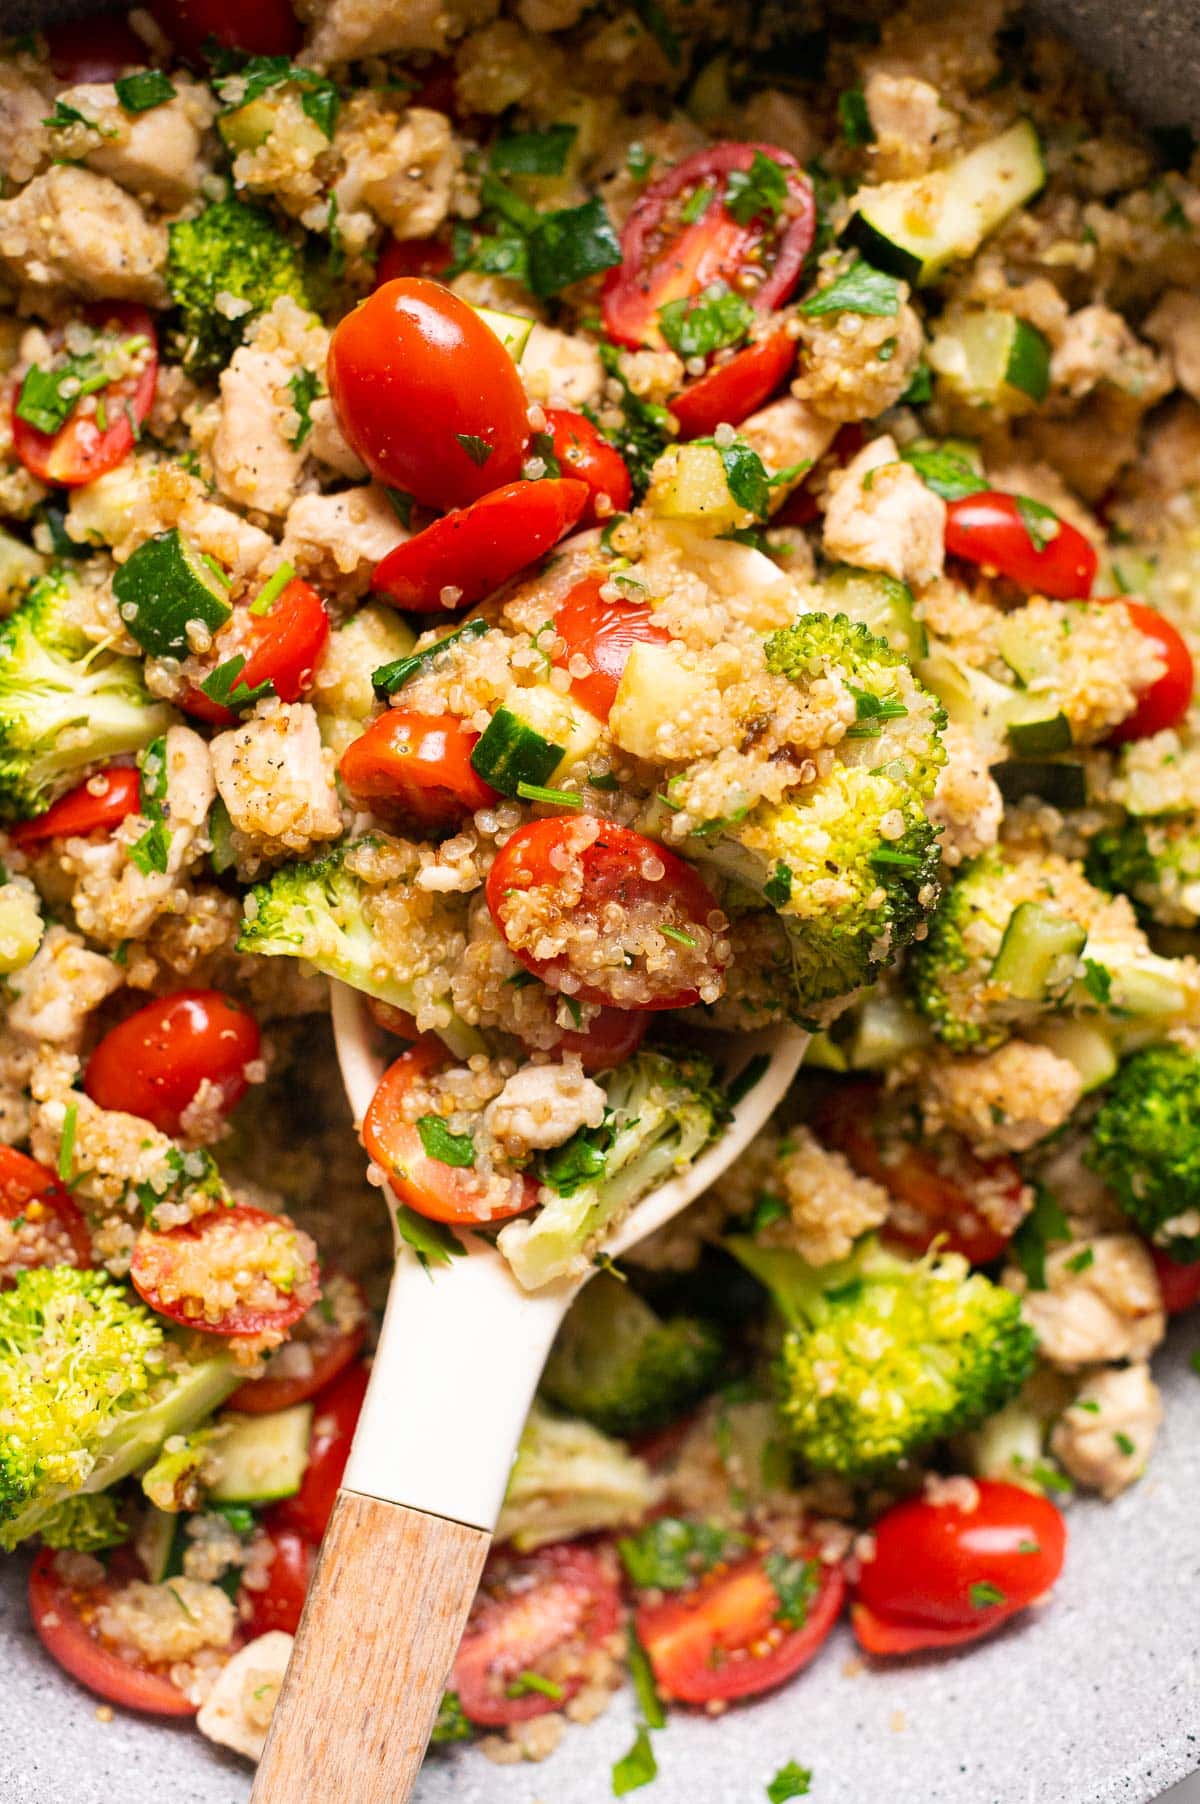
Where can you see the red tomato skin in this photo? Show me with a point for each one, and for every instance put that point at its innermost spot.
(417, 765)
(883, 1637)
(145, 1268)
(79, 452)
(281, 1605)
(393, 1020)
(261, 27)
(429, 257)
(55, 1610)
(335, 1416)
(433, 1189)
(412, 371)
(1166, 701)
(477, 548)
(610, 1038)
(281, 647)
(565, 1593)
(714, 246)
(1179, 1284)
(81, 811)
(263, 1396)
(95, 49)
(928, 1556)
(603, 632)
(728, 392)
(154, 1061)
(22, 1182)
(987, 528)
(727, 1614)
(584, 453)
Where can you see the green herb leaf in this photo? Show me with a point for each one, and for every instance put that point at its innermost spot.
(639, 162)
(696, 325)
(48, 397)
(220, 684)
(644, 1688)
(64, 116)
(439, 1143)
(795, 1583)
(477, 449)
(431, 1241)
(870, 712)
(568, 246)
(759, 192)
(578, 1161)
(678, 935)
(452, 1723)
(645, 431)
(767, 1209)
(391, 677)
(854, 118)
(401, 504)
(527, 1683)
(152, 851)
(777, 890)
(985, 1596)
(673, 1551)
(319, 98)
(1045, 1226)
(1080, 1261)
(534, 153)
(272, 589)
(1124, 1444)
(791, 1781)
(557, 798)
(859, 289)
(66, 1144)
(304, 388)
(920, 389)
(947, 473)
(1040, 522)
(635, 1769)
(144, 89)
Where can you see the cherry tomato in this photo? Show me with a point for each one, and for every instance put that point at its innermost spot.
(427, 394)
(728, 392)
(95, 49)
(666, 258)
(153, 1062)
(1052, 559)
(281, 1604)
(331, 1349)
(535, 1611)
(583, 452)
(335, 1418)
(280, 647)
(603, 633)
(723, 1639)
(941, 1573)
(1168, 699)
(931, 1192)
(1179, 1284)
(261, 27)
(441, 1192)
(610, 1037)
(465, 555)
(180, 1272)
(438, 89)
(96, 806)
(91, 442)
(393, 1020)
(52, 1230)
(64, 1616)
(429, 257)
(417, 766)
(635, 966)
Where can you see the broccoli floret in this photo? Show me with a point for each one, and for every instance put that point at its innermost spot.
(1155, 863)
(65, 703)
(620, 1366)
(229, 250)
(90, 1388)
(884, 1356)
(849, 863)
(662, 1112)
(569, 1479)
(452, 1722)
(1146, 1145)
(85, 1524)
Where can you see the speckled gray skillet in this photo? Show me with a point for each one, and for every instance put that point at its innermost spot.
(1094, 1701)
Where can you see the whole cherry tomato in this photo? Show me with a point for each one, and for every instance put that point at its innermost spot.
(280, 647)
(260, 27)
(429, 257)
(181, 1272)
(47, 1228)
(95, 49)
(64, 1616)
(602, 633)
(1169, 697)
(729, 392)
(416, 766)
(280, 1603)
(1023, 541)
(100, 430)
(944, 1572)
(153, 1062)
(95, 806)
(427, 395)
(466, 554)
(669, 255)
(636, 929)
(728, 1635)
(582, 451)
(1179, 1284)
(335, 1416)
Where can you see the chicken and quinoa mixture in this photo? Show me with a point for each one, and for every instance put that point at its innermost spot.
(603, 531)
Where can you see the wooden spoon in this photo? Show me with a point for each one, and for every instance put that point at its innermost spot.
(458, 1361)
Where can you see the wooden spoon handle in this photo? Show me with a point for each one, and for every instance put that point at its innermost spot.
(385, 1612)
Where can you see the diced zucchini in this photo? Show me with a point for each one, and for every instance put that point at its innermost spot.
(886, 1028)
(557, 723)
(915, 228)
(824, 1054)
(655, 689)
(689, 483)
(882, 603)
(20, 565)
(1039, 953)
(510, 753)
(993, 359)
(163, 588)
(709, 97)
(21, 924)
(1033, 732)
(1062, 785)
(1083, 1044)
(262, 1458)
(247, 127)
(1028, 659)
(512, 329)
(222, 858)
(343, 693)
(157, 1544)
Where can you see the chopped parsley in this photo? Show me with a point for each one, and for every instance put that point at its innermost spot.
(391, 677)
(637, 1768)
(948, 473)
(534, 153)
(854, 118)
(1041, 523)
(795, 1583)
(477, 449)
(870, 712)
(695, 326)
(697, 203)
(760, 192)
(986, 1596)
(645, 1690)
(144, 89)
(1080, 1261)
(645, 430)
(431, 1241)
(791, 1781)
(48, 397)
(527, 1683)
(858, 289)
(238, 86)
(1124, 1444)
(220, 683)
(304, 387)
(151, 852)
(578, 1161)
(1044, 1227)
(777, 890)
(1097, 981)
(672, 1551)
(568, 246)
(439, 1143)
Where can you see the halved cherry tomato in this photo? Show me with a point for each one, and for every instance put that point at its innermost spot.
(1179, 1284)
(261, 27)
(152, 1063)
(942, 1574)
(331, 1349)
(465, 555)
(636, 968)
(1168, 698)
(988, 529)
(666, 258)
(533, 1611)
(179, 1272)
(610, 1037)
(583, 452)
(100, 438)
(427, 395)
(417, 766)
(728, 392)
(723, 1639)
(96, 806)
(335, 1417)
(281, 1603)
(931, 1193)
(429, 257)
(393, 1020)
(280, 647)
(603, 633)
(95, 49)
(52, 1230)
(64, 1616)
(441, 1192)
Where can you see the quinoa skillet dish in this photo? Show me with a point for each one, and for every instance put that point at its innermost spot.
(602, 530)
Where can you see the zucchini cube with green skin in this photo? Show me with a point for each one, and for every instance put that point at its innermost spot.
(167, 586)
(881, 603)
(689, 483)
(260, 1459)
(992, 359)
